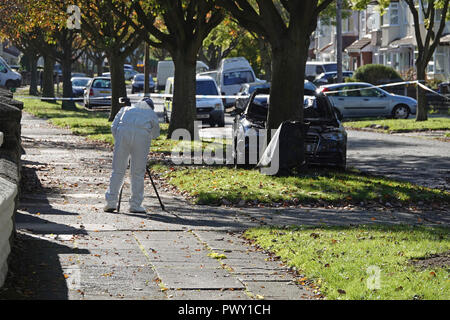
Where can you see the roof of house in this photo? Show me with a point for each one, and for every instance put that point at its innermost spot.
(357, 45)
(406, 41)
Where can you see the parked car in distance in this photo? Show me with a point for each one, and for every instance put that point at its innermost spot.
(209, 109)
(231, 74)
(361, 99)
(330, 77)
(325, 142)
(9, 78)
(166, 69)
(314, 68)
(137, 83)
(98, 92)
(78, 85)
(129, 73)
(78, 75)
(441, 97)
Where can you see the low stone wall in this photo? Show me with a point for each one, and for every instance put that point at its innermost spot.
(10, 152)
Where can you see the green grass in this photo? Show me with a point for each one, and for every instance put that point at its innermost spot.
(337, 259)
(403, 125)
(209, 185)
(95, 125)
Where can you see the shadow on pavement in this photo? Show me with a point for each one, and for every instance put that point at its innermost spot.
(35, 270)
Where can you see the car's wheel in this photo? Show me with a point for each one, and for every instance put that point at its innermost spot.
(400, 112)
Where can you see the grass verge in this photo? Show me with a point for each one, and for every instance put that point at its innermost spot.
(401, 125)
(362, 262)
(95, 125)
(213, 185)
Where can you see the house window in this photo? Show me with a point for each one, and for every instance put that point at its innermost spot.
(393, 14)
(381, 59)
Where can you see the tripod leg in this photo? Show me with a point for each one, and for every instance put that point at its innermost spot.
(120, 198)
(156, 191)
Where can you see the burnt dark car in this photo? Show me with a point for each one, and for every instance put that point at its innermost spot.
(326, 138)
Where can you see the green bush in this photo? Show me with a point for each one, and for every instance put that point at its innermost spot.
(376, 74)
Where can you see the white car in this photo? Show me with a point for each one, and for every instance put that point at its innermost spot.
(8, 77)
(209, 109)
(98, 92)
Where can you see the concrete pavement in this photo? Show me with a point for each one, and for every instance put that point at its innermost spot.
(68, 248)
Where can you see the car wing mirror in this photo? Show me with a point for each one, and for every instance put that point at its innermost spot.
(338, 115)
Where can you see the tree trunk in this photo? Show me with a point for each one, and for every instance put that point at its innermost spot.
(286, 92)
(184, 103)
(34, 74)
(118, 88)
(47, 85)
(421, 113)
(99, 64)
(66, 67)
(264, 51)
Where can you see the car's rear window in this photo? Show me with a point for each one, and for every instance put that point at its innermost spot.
(206, 88)
(102, 83)
(80, 82)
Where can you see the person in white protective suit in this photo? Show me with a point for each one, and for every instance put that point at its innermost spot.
(133, 129)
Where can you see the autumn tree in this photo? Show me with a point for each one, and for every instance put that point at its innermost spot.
(221, 41)
(179, 27)
(116, 37)
(287, 26)
(13, 27)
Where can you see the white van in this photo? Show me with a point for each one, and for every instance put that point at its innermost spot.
(210, 110)
(166, 69)
(314, 68)
(8, 77)
(232, 73)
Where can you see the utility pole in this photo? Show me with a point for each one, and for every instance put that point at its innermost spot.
(146, 71)
(339, 40)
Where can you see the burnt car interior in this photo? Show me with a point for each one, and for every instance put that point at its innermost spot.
(320, 110)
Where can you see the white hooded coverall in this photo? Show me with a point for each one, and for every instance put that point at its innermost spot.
(133, 129)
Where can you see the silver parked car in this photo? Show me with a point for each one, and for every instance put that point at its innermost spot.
(360, 99)
(98, 92)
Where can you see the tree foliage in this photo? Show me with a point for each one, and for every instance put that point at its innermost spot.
(180, 27)
(287, 26)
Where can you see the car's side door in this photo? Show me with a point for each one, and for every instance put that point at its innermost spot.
(347, 100)
(374, 101)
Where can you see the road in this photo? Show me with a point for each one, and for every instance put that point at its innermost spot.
(419, 160)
